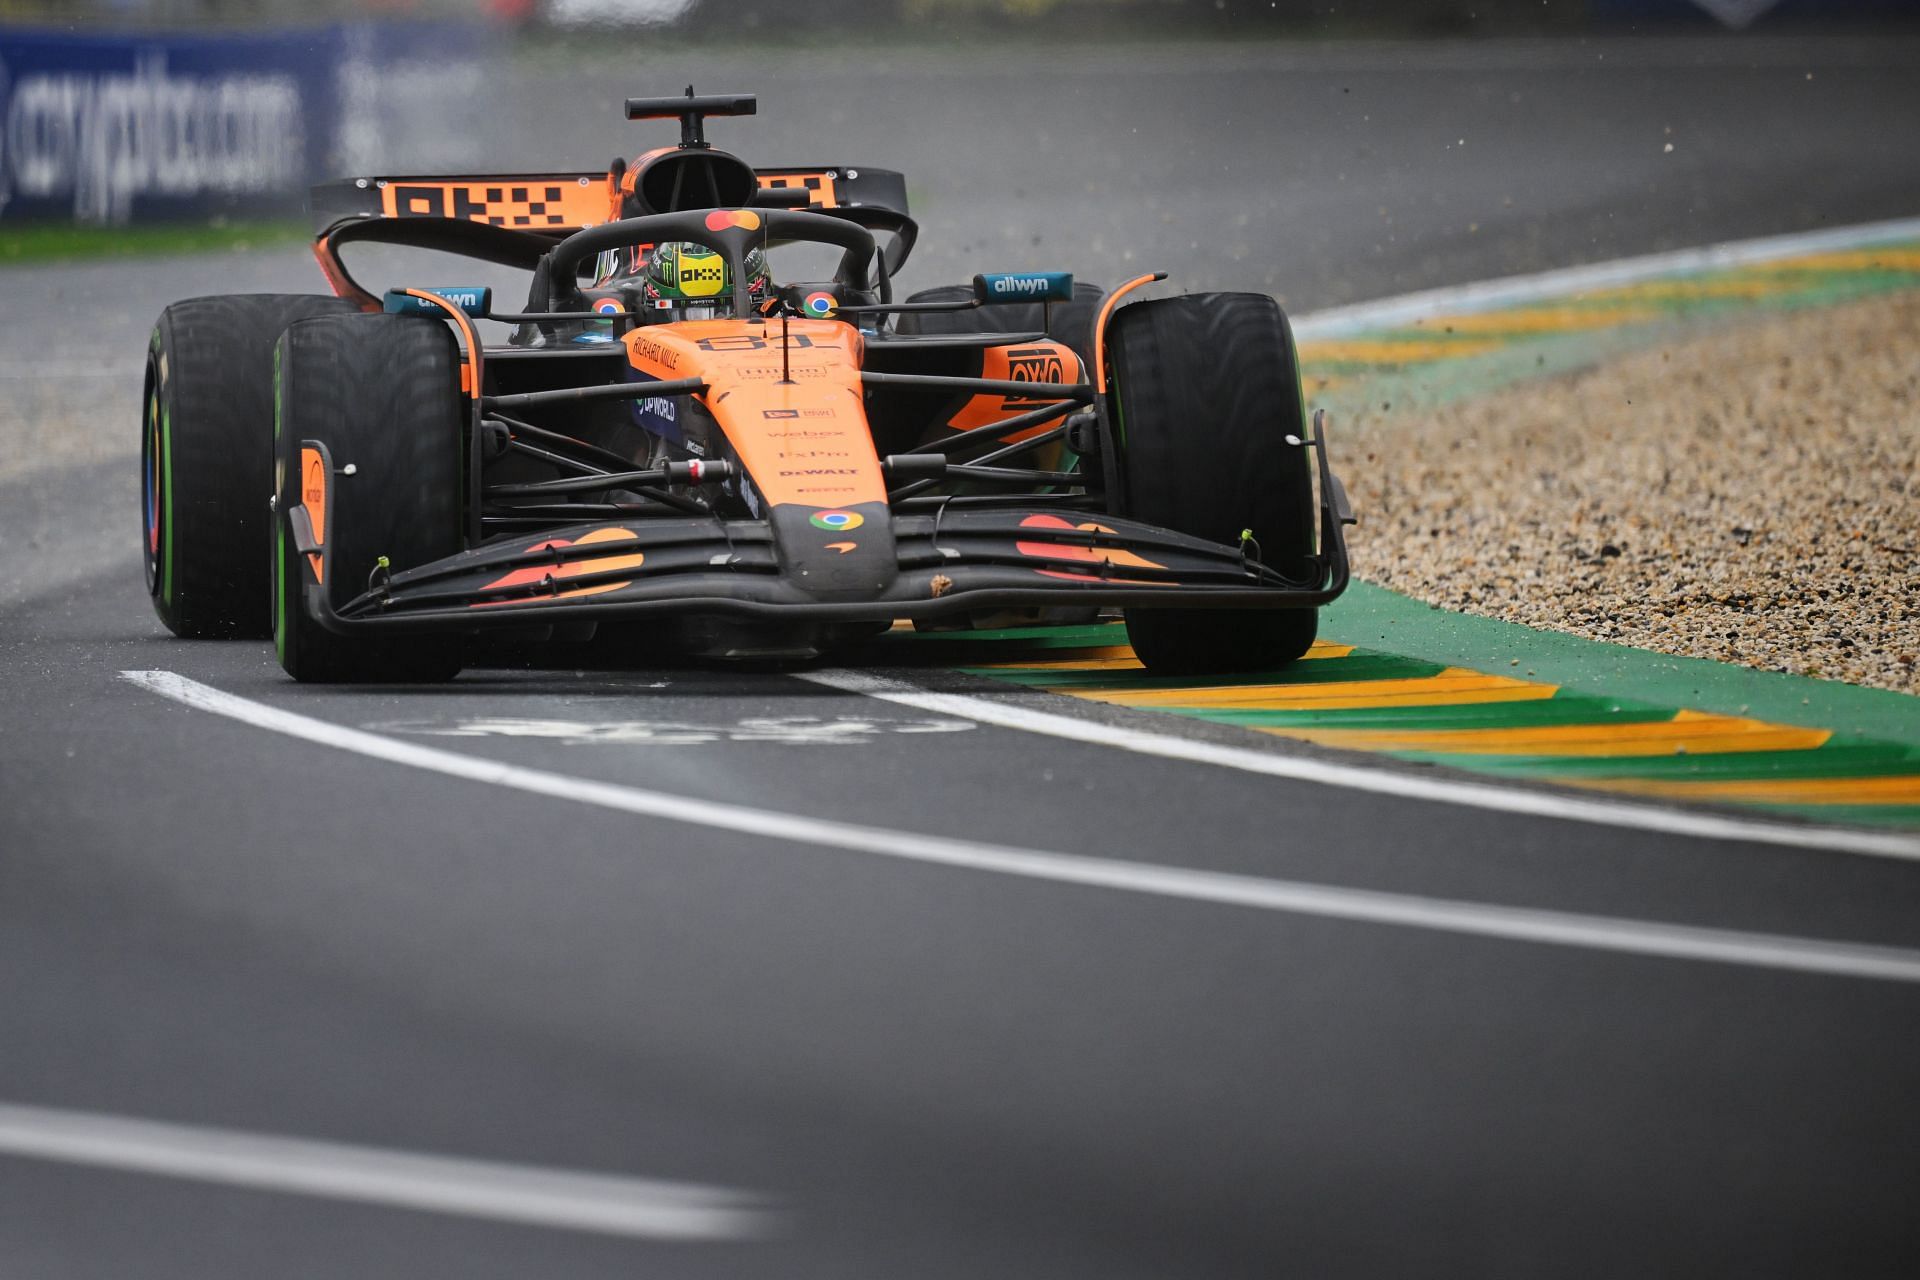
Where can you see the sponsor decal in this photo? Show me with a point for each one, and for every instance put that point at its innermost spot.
(1036, 364)
(645, 348)
(842, 547)
(779, 413)
(1034, 286)
(820, 305)
(819, 187)
(798, 371)
(313, 497)
(660, 406)
(313, 490)
(721, 219)
(497, 205)
(824, 471)
(108, 138)
(702, 279)
(836, 521)
(609, 307)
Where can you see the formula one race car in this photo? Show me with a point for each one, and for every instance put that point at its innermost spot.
(675, 450)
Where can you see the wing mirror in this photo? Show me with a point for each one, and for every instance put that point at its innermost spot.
(1001, 288)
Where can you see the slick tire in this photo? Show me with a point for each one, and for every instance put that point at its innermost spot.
(380, 393)
(1206, 388)
(1072, 321)
(206, 459)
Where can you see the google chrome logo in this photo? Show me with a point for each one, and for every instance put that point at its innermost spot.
(836, 521)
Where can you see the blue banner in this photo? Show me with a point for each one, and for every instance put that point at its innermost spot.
(108, 129)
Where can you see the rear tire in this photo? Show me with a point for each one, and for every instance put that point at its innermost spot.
(380, 392)
(206, 459)
(1206, 388)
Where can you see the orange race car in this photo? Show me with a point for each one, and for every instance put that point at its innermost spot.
(673, 448)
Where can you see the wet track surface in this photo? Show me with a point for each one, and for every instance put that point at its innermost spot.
(936, 1071)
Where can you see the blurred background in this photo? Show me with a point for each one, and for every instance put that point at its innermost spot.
(121, 111)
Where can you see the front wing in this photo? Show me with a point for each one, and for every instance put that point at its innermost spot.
(946, 562)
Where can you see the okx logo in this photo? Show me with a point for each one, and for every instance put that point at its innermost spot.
(1036, 364)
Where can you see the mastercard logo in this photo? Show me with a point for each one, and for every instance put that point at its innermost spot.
(721, 219)
(837, 521)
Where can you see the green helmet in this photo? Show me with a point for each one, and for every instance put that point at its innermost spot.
(690, 282)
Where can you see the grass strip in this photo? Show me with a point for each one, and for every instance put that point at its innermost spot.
(37, 242)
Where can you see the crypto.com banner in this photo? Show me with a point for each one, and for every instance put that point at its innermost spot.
(112, 128)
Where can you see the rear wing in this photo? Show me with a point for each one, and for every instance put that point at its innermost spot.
(512, 219)
(558, 204)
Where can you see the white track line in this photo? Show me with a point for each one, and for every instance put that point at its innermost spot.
(600, 1203)
(1511, 924)
(1511, 290)
(1381, 781)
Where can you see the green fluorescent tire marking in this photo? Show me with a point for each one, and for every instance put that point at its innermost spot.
(279, 530)
(166, 503)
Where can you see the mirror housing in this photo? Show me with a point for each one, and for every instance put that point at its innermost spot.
(1000, 288)
(475, 300)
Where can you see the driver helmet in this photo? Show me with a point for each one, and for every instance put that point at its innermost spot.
(684, 281)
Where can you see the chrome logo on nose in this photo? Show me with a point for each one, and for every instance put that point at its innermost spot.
(837, 521)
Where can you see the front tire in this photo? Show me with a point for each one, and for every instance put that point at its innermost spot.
(380, 393)
(206, 458)
(1206, 389)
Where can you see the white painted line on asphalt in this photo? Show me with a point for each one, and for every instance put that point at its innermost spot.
(601, 1203)
(1510, 291)
(1485, 920)
(1380, 781)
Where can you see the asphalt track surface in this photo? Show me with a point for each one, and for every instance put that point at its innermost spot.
(941, 1071)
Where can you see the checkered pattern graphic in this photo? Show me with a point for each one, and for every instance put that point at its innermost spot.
(819, 186)
(534, 206)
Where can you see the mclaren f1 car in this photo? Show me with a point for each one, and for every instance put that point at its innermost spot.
(673, 448)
